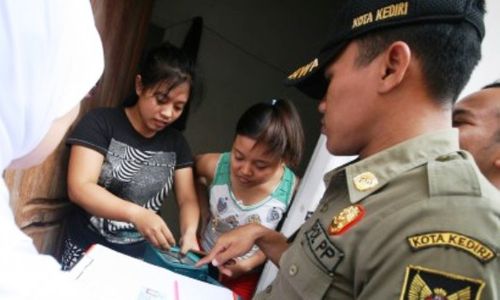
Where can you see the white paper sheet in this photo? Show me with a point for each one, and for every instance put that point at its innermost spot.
(118, 276)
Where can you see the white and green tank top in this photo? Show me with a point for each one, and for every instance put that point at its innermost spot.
(227, 212)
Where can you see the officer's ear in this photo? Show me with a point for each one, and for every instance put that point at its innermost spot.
(496, 163)
(395, 62)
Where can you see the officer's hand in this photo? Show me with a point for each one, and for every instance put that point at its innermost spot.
(231, 245)
(234, 268)
(153, 228)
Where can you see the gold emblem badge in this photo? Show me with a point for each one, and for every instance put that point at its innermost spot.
(422, 283)
(365, 181)
(346, 218)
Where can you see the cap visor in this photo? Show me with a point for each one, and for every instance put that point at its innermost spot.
(313, 82)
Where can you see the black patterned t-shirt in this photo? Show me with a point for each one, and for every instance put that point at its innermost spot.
(135, 168)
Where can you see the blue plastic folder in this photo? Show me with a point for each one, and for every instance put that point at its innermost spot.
(175, 261)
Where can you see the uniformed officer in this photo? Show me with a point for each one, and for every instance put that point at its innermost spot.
(477, 118)
(412, 218)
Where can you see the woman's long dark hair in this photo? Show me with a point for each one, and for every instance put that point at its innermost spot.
(165, 63)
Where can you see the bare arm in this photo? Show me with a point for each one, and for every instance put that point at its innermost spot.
(231, 245)
(83, 172)
(205, 165)
(189, 210)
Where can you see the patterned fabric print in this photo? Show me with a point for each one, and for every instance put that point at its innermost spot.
(222, 204)
(255, 218)
(71, 255)
(144, 177)
(274, 215)
(131, 164)
(232, 221)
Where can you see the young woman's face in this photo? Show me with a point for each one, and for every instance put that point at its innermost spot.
(251, 164)
(159, 107)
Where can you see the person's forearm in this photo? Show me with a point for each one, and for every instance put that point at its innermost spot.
(101, 203)
(271, 243)
(189, 217)
(203, 202)
(185, 193)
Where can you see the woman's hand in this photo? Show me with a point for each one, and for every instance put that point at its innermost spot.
(189, 242)
(152, 227)
(189, 210)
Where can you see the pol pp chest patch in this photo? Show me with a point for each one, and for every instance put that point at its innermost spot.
(325, 252)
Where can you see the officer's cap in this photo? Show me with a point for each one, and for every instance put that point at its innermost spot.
(358, 17)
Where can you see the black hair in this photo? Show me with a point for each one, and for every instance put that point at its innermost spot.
(494, 84)
(448, 52)
(164, 63)
(277, 125)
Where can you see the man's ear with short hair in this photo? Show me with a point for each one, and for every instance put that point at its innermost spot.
(395, 62)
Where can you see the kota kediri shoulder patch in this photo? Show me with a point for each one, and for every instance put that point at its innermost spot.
(452, 239)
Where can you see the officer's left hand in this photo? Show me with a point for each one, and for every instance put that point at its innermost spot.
(234, 268)
(230, 245)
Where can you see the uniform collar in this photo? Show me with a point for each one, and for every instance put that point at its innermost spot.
(388, 164)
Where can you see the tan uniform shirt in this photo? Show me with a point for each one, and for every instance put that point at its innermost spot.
(416, 221)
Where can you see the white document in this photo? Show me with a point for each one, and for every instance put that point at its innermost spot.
(117, 276)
